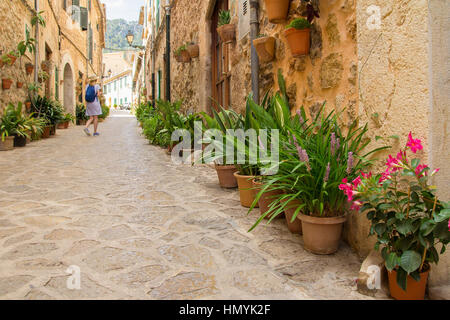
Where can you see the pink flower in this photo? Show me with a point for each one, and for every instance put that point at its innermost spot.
(348, 189)
(419, 170)
(435, 171)
(414, 144)
(357, 182)
(448, 224)
(393, 163)
(385, 176)
(366, 176)
(356, 206)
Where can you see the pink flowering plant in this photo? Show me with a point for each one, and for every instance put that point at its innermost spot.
(406, 216)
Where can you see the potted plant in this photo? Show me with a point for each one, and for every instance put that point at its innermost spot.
(225, 28)
(18, 124)
(193, 50)
(48, 109)
(277, 10)
(6, 130)
(43, 76)
(80, 114)
(182, 55)
(9, 58)
(265, 48)
(65, 121)
(6, 83)
(407, 218)
(19, 84)
(297, 34)
(29, 67)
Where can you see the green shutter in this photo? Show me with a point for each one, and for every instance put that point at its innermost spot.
(56, 84)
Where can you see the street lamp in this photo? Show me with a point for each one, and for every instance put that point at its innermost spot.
(130, 38)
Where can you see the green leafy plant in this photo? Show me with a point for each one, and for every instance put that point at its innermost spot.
(14, 122)
(299, 24)
(405, 213)
(80, 112)
(67, 117)
(224, 18)
(105, 112)
(51, 110)
(178, 51)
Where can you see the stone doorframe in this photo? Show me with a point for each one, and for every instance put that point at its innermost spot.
(68, 105)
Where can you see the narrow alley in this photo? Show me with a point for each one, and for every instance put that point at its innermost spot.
(140, 227)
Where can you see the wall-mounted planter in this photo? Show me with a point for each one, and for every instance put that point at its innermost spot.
(277, 10)
(193, 50)
(19, 84)
(265, 48)
(6, 84)
(298, 41)
(29, 68)
(183, 56)
(227, 32)
(28, 106)
(46, 66)
(12, 59)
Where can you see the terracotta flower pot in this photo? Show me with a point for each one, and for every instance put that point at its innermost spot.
(29, 68)
(8, 144)
(19, 84)
(12, 59)
(28, 106)
(289, 210)
(266, 198)
(277, 10)
(225, 173)
(6, 84)
(63, 125)
(321, 235)
(298, 41)
(46, 132)
(415, 290)
(185, 57)
(227, 32)
(19, 141)
(193, 50)
(81, 122)
(246, 191)
(178, 58)
(52, 130)
(265, 48)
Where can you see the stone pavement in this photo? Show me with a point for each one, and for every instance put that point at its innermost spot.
(140, 227)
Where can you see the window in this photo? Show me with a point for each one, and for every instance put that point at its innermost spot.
(121, 82)
(115, 85)
(158, 80)
(105, 88)
(115, 101)
(157, 14)
(56, 84)
(121, 101)
(126, 99)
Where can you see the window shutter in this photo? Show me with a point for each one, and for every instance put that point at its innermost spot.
(83, 19)
(244, 18)
(75, 9)
(64, 4)
(91, 46)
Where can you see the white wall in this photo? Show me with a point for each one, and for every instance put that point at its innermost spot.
(116, 93)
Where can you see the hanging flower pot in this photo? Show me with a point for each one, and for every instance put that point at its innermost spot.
(265, 48)
(185, 57)
(6, 84)
(12, 59)
(321, 235)
(227, 32)
(277, 10)
(19, 84)
(415, 290)
(29, 68)
(225, 173)
(193, 50)
(298, 36)
(8, 144)
(246, 191)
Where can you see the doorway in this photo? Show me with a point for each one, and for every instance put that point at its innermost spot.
(220, 62)
(68, 89)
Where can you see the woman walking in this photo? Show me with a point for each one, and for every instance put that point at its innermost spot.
(93, 107)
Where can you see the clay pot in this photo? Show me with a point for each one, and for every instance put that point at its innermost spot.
(415, 290)
(185, 57)
(8, 144)
(298, 41)
(28, 106)
(6, 84)
(246, 192)
(289, 210)
(52, 130)
(63, 125)
(193, 50)
(12, 59)
(277, 10)
(178, 58)
(266, 198)
(321, 235)
(225, 173)
(19, 84)
(81, 122)
(46, 132)
(19, 141)
(227, 32)
(29, 68)
(265, 48)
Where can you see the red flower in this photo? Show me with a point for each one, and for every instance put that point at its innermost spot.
(419, 170)
(414, 144)
(385, 176)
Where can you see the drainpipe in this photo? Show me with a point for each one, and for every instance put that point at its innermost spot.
(153, 70)
(36, 54)
(254, 30)
(168, 50)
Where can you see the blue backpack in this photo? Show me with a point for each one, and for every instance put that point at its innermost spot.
(90, 94)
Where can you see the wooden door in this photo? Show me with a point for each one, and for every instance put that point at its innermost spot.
(220, 62)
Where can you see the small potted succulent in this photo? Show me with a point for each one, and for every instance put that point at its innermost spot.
(225, 29)
(297, 34)
(6, 83)
(277, 10)
(407, 218)
(10, 57)
(29, 67)
(182, 55)
(265, 48)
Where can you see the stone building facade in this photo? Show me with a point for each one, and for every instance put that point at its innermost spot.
(69, 47)
(386, 62)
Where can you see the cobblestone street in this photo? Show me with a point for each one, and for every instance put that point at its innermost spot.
(140, 227)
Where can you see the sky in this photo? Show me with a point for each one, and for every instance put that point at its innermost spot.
(123, 9)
